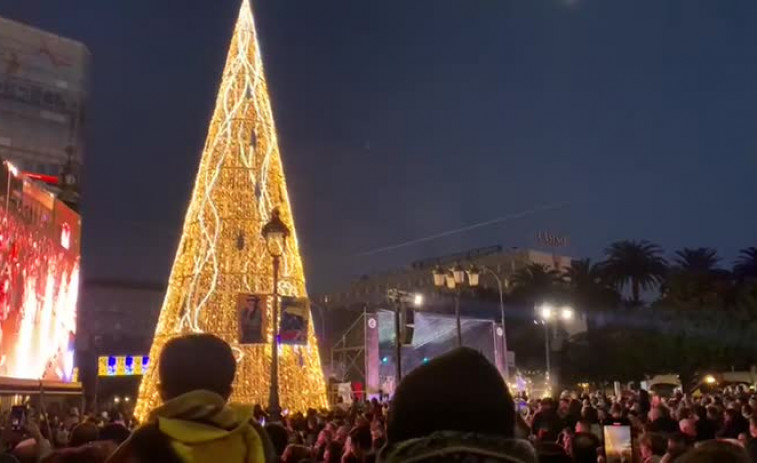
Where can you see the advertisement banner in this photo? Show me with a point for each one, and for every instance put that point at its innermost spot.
(252, 309)
(295, 313)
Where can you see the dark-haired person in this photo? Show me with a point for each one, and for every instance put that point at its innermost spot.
(359, 444)
(751, 446)
(454, 408)
(195, 423)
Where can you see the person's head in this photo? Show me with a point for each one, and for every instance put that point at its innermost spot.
(713, 413)
(584, 448)
(590, 414)
(731, 415)
(279, 437)
(753, 426)
(333, 453)
(616, 411)
(194, 362)
(460, 391)
(341, 434)
(83, 433)
(295, 453)
(652, 444)
(583, 426)
(546, 404)
(94, 452)
(114, 432)
(713, 450)
(658, 412)
(689, 427)
(678, 443)
(360, 441)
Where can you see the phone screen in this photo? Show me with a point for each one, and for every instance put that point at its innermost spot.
(618, 443)
(18, 413)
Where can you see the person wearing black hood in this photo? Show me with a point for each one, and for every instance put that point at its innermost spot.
(455, 407)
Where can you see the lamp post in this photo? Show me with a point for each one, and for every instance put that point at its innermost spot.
(474, 275)
(453, 279)
(398, 299)
(275, 233)
(549, 314)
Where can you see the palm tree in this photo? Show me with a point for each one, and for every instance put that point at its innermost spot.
(699, 260)
(535, 282)
(746, 264)
(695, 279)
(745, 271)
(590, 290)
(638, 264)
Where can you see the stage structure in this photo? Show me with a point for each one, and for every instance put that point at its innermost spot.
(222, 278)
(366, 352)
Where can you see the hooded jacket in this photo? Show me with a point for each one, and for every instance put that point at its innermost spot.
(197, 427)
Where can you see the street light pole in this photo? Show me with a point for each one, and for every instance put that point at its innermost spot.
(398, 299)
(546, 350)
(473, 278)
(275, 233)
(457, 318)
(273, 394)
(395, 298)
(547, 313)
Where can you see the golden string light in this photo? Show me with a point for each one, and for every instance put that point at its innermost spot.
(222, 254)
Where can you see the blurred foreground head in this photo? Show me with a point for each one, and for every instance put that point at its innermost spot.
(454, 408)
(459, 391)
(720, 451)
(194, 362)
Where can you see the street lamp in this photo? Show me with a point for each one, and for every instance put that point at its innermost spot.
(474, 276)
(548, 313)
(275, 233)
(453, 279)
(440, 277)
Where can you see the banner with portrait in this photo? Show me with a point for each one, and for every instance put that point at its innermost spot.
(295, 314)
(251, 310)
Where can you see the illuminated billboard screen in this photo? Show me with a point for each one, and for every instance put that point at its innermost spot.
(39, 280)
(122, 365)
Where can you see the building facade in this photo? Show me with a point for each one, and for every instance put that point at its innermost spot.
(418, 275)
(43, 90)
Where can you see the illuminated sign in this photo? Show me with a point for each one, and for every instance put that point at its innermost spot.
(122, 365)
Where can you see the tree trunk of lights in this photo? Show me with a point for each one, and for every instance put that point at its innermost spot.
(274, 408)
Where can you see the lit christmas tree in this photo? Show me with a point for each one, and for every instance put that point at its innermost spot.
(222, 256)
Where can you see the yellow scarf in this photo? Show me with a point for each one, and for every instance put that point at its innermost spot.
(204, 428)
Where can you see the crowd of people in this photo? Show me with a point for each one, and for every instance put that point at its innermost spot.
(454, 408)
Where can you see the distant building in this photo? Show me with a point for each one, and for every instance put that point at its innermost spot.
(418, 275)
(119, 316)
(116, 317)
(43, 90)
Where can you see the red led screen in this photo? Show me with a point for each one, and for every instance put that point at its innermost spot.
(39, 281)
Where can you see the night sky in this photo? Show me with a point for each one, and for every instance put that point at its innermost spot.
(400, 119)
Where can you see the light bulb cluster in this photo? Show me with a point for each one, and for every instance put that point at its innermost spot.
(222, 254)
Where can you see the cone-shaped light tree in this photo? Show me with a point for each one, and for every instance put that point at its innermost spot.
(222, 254)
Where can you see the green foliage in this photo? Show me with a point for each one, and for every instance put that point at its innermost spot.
(638, 264)
(704, 318)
